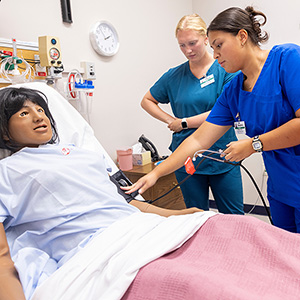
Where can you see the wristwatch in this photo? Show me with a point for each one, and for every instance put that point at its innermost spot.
(257, 144)
(184, 123)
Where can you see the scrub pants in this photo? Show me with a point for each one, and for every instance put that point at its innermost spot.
(226, 188)
(285, 216)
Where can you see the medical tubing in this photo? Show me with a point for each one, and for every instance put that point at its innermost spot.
(248, 173)
(11, 61)
(73, 74)
(256, 186)
(180, 183)
(259, 192)
(254, 205)
(226, 162)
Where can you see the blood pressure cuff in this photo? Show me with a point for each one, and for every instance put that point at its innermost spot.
(120, 179)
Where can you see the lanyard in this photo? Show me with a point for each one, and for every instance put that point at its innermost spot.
(239, 126)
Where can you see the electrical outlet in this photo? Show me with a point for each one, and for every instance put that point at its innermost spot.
(40, 71)
(89, 72)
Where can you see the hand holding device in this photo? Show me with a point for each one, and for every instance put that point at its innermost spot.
(121, 180)
(239, 150)
(142, 184)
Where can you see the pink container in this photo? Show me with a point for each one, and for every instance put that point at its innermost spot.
(125, 159)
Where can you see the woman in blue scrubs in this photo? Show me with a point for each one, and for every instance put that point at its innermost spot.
(264, 99)
(192, 89)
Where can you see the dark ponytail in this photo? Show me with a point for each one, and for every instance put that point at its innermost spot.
(234, 19)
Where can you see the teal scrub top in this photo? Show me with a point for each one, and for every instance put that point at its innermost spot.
(273, 101)
(183, 91)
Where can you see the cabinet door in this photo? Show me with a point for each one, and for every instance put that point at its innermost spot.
(173, 200)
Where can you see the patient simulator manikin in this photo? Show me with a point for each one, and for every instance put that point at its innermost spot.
(54, 198)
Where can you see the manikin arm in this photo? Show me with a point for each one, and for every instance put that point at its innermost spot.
(146, 207)
(10, 285)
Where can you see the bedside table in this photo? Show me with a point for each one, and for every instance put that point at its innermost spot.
(174, 200)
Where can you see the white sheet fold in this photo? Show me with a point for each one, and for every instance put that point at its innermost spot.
(105, 268)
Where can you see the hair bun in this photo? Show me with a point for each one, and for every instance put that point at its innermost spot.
(234, 19)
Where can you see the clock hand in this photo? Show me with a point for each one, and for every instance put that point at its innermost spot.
(103, 34)
(107, 37)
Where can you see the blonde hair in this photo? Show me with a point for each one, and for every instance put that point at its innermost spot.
(193, 22)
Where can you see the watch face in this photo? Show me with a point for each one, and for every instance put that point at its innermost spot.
(184, 125)
(104, 38)
(257, 145)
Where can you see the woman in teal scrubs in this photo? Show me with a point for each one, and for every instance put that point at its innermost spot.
(192, 89)
(264, 98)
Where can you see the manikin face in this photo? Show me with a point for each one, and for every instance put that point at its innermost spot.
(192, 44)
(227, 50)
(30, 127)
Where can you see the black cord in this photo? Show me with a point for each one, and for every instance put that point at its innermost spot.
(259, 193)
(180, 183)
(227, 162)
(256, 186)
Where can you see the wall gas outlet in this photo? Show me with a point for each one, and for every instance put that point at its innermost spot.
(89, 72)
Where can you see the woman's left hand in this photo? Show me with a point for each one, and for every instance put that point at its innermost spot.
(238, 150)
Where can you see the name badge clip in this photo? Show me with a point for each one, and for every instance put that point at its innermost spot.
(239, 126)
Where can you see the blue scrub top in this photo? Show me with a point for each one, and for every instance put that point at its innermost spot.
(273, 101)
(183, 91)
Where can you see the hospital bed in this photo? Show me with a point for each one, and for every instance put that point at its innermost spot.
(199, 256)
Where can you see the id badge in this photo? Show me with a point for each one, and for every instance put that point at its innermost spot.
(207, 80)
(240, 127)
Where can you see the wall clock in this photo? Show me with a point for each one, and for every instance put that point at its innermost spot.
(104, 38)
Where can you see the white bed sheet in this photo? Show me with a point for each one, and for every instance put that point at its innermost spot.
(105, 268)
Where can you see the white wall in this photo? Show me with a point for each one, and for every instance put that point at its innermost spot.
(147, 48)
(283, 19)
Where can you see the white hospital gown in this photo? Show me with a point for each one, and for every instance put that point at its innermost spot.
(53, 200)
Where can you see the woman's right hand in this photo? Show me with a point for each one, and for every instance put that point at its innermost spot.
(142, 184)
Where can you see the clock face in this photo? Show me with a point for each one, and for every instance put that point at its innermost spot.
(104, 38)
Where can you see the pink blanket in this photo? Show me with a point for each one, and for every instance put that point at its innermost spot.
(230, 257)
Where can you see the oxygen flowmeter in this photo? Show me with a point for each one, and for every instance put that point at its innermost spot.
(49, 51)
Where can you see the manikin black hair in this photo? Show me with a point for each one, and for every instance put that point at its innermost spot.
(11, 101)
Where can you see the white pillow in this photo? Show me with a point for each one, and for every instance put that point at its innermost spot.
(71, 126)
